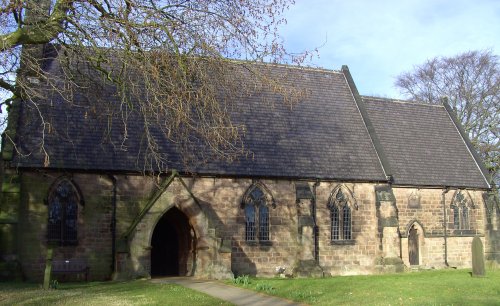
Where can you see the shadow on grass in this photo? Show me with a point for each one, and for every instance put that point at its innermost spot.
(103, 293)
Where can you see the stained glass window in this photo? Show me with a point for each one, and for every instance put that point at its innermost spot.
(256, 215)
(465, 217)
(460, 206)
(250, 222)
(340, 217)
(347, 223)
(334, 218)
(63, 214)
(263, 223)
(456, 217)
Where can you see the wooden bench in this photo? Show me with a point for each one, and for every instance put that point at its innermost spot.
(71, 266)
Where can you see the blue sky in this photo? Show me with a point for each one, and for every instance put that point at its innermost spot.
(379, 39)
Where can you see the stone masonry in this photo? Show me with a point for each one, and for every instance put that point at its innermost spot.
(217, 246)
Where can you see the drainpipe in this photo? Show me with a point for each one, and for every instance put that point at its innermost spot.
(445, 233)
(113, 225)
(315, 229)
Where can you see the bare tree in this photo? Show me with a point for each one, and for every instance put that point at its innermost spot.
(168, 60)
(471, 81)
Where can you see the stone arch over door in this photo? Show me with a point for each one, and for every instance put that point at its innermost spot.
(202, 247)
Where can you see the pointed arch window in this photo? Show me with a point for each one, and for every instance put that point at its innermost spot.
(341, 204)
(63, 201)
(461, 205)
(340, 216)
(256, 204)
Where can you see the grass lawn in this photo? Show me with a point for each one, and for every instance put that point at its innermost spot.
(443, 287)
(139, 292)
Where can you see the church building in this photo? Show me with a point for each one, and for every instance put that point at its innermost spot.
(336, 184)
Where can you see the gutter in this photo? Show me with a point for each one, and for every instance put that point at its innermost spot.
(113, 225)
(202, 174)
(315, 229)
(445, 232)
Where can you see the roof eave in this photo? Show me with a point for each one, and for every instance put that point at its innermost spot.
(467, 142)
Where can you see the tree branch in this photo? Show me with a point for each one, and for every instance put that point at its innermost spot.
(6, 85)
(41, 32)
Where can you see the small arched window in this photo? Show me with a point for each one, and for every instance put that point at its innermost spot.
(340, 216)
(63, 203)
(256, 206)
(461, 205)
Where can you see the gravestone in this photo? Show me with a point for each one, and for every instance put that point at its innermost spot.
(477, 258)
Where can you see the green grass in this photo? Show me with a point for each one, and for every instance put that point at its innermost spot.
(139, 292)
(443, 287)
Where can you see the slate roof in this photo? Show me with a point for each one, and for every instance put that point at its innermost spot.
(422, 144)
(323, 136)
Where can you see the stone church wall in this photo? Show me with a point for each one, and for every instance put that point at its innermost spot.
(223, 225)
(359, 256)
(429, 215)
(94, 235)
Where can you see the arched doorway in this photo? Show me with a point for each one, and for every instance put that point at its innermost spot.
(413, 247)
(171, 245)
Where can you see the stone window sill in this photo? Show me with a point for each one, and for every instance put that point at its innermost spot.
(259, 243)
(343, 242)
(464, 233)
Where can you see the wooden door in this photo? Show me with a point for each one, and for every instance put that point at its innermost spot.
(413, 246)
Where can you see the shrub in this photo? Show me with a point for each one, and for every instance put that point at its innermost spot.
(242, 280)
(264, 287)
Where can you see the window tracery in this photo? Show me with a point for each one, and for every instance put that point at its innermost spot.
(340, 216)
(63, 200)
(461, 205)
(256, 204)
